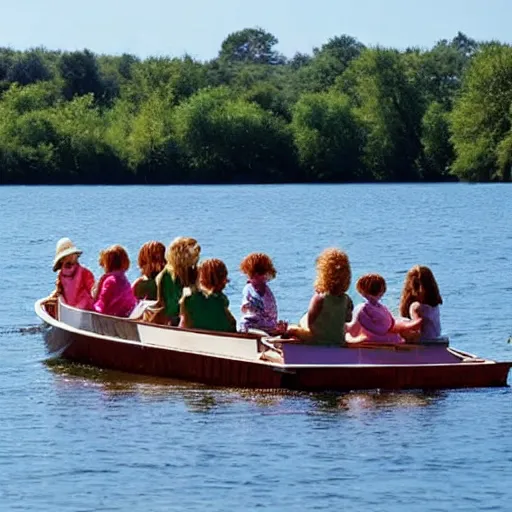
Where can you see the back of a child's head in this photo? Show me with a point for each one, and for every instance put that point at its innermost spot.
(183, 250)
(258, 263)
(333, 272)
(151, 258)
(182, 254)
(420, 285)
(213, 275)
(371, 284)
(114, 258)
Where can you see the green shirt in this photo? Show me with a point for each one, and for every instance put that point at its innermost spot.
(329, 326)
(169, 293)
(209, 312)
(145, 289)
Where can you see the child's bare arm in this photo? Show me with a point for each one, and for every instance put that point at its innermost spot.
(315, 308)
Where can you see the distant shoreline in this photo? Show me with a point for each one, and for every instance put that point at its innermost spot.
(346, 113)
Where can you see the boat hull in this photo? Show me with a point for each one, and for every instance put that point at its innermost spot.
(158, 362)
(220, 371)
(487, 374)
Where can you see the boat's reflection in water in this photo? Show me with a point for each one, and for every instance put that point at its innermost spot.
(117, 386)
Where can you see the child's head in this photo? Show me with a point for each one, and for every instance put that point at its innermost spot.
(371, 285)
(114, 259)
(151, 258)
(66, 255)
(258, 264)
(213, 275)
(183, 254)
(332, 272)
(420, 286)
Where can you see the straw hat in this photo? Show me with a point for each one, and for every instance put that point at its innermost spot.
(65, 247)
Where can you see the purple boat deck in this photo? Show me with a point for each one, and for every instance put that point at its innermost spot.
(295, 354)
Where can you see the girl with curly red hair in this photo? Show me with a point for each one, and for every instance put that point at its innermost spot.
(207, 307)
(421, 299)
(259, 308)
(330, 306)
(114, 295)
(372, 321)
(151, 262)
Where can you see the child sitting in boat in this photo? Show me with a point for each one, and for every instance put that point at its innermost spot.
(330, 306)
(74, 283)
(372, 321)
(421, 300)
(114, 295)
(259, 308)
(151, 262)
(179, 272)
(207, 307)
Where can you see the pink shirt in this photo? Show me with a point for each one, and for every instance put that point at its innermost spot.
(76, 289)
(115, 296)
(372, 321)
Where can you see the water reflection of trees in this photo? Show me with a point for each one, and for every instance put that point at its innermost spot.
(198, 398)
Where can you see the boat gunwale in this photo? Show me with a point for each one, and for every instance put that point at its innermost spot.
(91, 334)
(46, 317)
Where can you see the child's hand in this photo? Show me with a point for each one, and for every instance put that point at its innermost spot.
(407, 327)
(282, 326)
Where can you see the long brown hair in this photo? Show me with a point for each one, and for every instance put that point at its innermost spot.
(420, 286)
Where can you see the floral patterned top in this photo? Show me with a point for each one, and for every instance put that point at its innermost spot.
(259, 308)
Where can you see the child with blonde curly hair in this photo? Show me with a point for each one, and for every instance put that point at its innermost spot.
(114, 295)
(259, 308)
(179, 272)
(372, 321)
(330, 307)
(207, 307)
(421, 299)
(151, 262)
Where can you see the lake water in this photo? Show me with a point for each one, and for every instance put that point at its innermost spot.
(79, 439)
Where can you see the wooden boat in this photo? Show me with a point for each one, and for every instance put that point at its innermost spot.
(256, 361)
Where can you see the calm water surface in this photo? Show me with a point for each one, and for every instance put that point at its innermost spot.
(77, 439)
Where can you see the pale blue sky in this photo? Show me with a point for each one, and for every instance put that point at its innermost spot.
(160, 27)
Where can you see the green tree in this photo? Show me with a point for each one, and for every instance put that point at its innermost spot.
(18, 100)
(390, 109)
(81, 75)
(435, 139)
(329, 62)
(437, 73)
(84, 154)
(250, 45)
(143, 139)
(227, 139)
(269, 97)
(170, 78)
(28, 68)
(327, 137)
(481, 118)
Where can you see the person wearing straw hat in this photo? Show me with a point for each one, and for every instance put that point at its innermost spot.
(74, 283)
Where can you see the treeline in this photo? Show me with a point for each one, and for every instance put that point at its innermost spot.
(344, 113)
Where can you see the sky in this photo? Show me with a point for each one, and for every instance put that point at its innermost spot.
(198, 27)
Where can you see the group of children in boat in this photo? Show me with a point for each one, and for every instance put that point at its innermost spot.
(190, 294)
